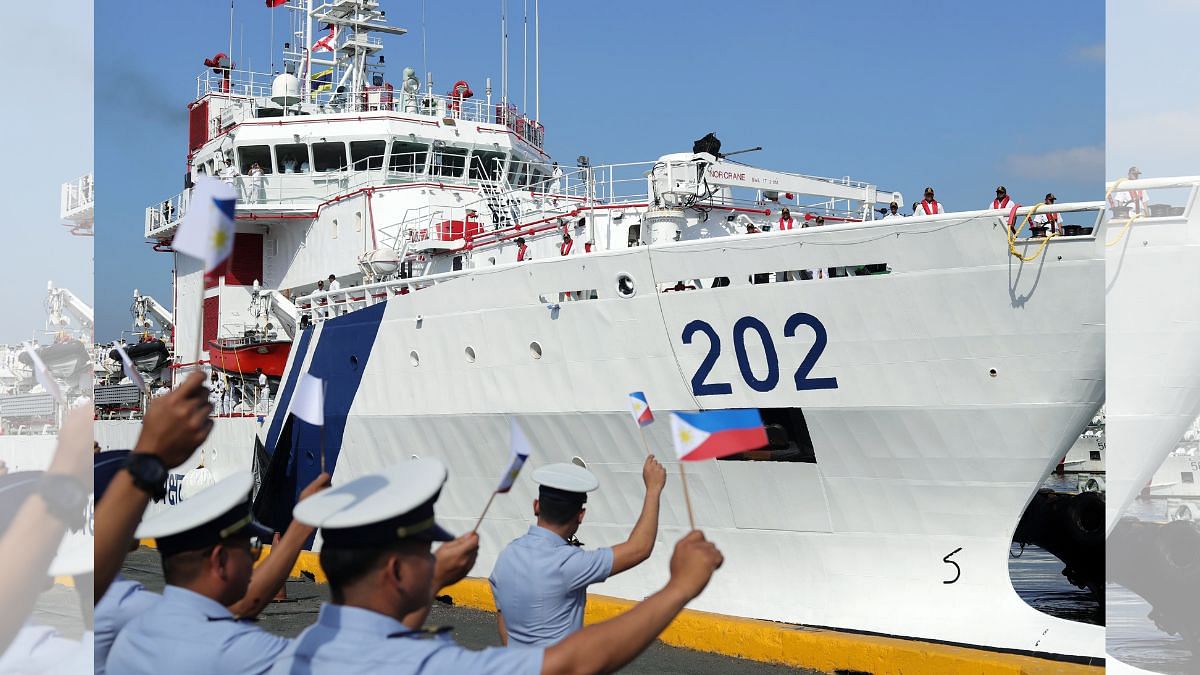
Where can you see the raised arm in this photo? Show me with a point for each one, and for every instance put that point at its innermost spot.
(607, 646)
(640, 544)
(28, 547)
(175, 425)
(454, 560)
(273, 572)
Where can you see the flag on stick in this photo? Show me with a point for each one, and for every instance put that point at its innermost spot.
(520, 453)
(130, 371)
(520, 450)
(308, 403)
(716, 433)
(640, 408)
(206, 232)
(42, 373)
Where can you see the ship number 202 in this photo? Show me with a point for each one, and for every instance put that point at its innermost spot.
(768, 382)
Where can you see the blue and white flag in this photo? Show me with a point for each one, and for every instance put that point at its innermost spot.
(207, 230)
(520, 453)
(130, 371)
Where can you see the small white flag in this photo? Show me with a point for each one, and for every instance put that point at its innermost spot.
(42, 373)
(520, 453)
(308, 403)
(207, 230)
(130, 371)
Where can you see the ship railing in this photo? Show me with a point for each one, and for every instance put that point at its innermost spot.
(78, 196)
(329, 304)
(162, 217)
(246, 83)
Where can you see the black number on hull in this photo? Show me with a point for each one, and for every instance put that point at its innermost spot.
(699, 386)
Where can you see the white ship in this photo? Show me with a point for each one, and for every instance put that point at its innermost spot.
(919, 376)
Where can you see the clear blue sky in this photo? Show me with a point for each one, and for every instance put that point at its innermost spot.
(48, 115)
(960, 95)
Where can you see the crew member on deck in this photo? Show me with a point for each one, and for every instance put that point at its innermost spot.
(1002, 200)
(540, 580)
(1134, 200)
(208, 545)
(1047, 223)
(928, 206)
(522, 250)
(786, 222)
(556, 179)
(893, 211)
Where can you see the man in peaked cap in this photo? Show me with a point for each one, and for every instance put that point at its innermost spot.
(208, 544)
(540, 579)
(127, 599)
(377, 533)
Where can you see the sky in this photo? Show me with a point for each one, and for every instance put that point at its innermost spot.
(961, 96)
(49, 117)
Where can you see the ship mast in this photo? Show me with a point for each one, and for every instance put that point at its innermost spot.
(353, 21)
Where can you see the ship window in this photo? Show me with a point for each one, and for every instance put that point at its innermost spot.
(291, 158)
(487, 165)
(367, 155)
(1094, 455)
(1187, 477)
(408, 157)
(449, 161)
(517, 173)
(329, 156)
(537, 180)
(249, 155)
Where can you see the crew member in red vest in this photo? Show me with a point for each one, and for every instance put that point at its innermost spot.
(1003, 201)
(786, 222)
(565, 247)
(928, 206)
(522, 249)
(1047, 223)
(1136, 200)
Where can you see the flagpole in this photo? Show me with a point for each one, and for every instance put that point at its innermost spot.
(485, 510)
(322, 432)
(642, 433)
(687, 499)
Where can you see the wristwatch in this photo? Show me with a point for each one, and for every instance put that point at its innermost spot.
(149, 474)
(66, 498)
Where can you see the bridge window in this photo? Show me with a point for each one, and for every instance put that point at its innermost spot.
(537, 180)
(329, 156)
(249, 155)
(518, 173)
(367, 155)
(408, 157)
(292, 158)
(449, 160)
(487, 165)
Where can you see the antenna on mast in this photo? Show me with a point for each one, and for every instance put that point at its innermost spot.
(524, 56)
(537, 62)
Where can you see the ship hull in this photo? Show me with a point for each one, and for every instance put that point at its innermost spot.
(939, 397)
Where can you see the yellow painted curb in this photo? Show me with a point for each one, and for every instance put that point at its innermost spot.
(797, 646)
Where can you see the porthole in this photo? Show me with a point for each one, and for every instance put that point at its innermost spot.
(353, 362)
(625, 286)
(414, 358)
(535, 349)
(993, 372)
(470, 354)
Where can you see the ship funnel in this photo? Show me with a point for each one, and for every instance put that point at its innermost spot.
(285, 89)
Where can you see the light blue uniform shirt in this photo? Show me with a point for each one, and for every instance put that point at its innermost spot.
(42, 650)
(189, 634)
(352, 640)
(540, 586)
(124, 600)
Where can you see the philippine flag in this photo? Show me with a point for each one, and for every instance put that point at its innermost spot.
(640, 408)
(716, 433)
(520, 451)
